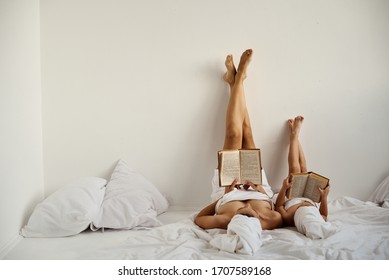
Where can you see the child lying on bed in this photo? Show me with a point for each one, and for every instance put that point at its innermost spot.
(254, 201)
(310, 218)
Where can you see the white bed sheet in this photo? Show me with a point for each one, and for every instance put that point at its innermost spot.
(363, 234)
(84, 244)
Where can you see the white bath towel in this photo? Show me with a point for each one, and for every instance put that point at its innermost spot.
(309, 222)
(239, 194)
(244, 236)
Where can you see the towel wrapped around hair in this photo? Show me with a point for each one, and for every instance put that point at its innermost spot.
(244, 236)
(309, 222)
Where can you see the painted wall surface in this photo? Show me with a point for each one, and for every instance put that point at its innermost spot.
(21, 166)
(142, 81)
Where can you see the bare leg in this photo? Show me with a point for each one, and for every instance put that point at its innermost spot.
(296, 157)
(238, 128)
(303, 162)
(248, 140)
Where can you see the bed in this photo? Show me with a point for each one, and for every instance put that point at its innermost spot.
(364, 234)
(168, 233)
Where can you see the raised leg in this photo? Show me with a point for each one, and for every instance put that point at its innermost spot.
(296, 158)
(302, 160)
(238, 128)
(248, 140)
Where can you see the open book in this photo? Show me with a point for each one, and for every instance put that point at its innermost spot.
(305, 185)
(243, 165)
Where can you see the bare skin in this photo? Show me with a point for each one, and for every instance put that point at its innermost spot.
(229, 76)
(238, 128)
(297, 164)
(238, 136)
(296, 158)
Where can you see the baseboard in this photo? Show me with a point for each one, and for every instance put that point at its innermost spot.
(9, 245)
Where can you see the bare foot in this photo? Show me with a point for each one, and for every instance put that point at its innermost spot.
(295, 124)
(244, 62)
(229, 76)
(298, 121)
(290, 124)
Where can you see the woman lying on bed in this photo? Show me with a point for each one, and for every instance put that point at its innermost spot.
(310, 218)
(257, 201)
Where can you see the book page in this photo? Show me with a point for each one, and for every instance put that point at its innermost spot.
(251, 166)
(229, 167)
(313, 182)
(298, 186)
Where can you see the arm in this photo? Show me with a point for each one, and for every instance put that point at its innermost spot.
(323, 202)
(287, 216)
(207, 219)
(281, 195)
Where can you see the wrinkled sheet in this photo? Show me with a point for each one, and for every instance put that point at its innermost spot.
(363, 234)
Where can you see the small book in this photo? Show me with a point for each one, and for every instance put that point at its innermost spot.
(243, 165)
(305, 185)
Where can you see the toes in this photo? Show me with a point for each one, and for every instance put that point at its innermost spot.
(290, 123)
(248, 52)
(230, 63)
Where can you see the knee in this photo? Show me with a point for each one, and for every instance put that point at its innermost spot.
(303, 168)
(247, 131)
(294, 168)
(233, 135)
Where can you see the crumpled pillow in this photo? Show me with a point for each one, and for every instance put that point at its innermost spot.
(130, 201)
(381, 194)
(68, 211)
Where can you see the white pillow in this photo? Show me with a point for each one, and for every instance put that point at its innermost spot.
(68, 211)
(130, 201)
(381, 194)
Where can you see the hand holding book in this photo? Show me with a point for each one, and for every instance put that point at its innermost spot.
(245, 186)
(231, 187)
(310, 185)
(242, 165)
(258, 188)
(324, 192)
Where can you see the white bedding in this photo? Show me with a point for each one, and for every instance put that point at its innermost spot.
(363, 234)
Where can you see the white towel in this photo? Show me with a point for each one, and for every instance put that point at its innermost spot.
(238, 194)
(244, 236)
(309, 222)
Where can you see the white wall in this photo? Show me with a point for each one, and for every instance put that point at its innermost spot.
(142, 80)
(21, 166)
